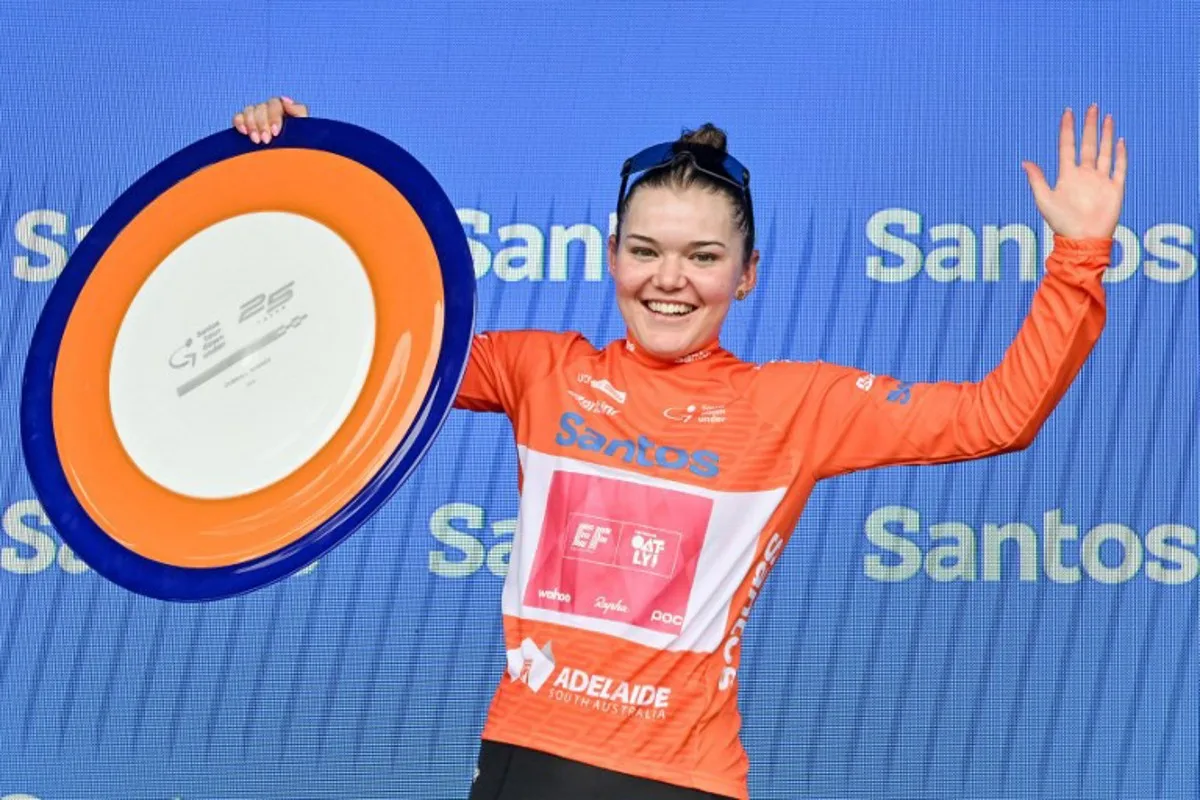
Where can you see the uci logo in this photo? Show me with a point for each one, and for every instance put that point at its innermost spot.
(642, 451)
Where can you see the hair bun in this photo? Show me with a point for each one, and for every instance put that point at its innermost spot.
(707, 134)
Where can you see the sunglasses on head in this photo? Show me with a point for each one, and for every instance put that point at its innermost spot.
(706, 159)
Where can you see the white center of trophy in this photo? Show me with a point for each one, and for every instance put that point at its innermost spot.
(242, 355)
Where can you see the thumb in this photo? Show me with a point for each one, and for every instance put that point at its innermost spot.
(292, 108)
(1037, 182)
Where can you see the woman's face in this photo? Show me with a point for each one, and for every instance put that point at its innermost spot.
(677, 268)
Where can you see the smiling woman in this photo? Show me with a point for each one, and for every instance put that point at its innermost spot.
(661, 476)
(684, 245)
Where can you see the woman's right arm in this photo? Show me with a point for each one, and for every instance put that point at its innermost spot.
(487, 383)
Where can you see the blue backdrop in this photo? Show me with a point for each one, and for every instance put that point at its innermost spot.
(1059, 659)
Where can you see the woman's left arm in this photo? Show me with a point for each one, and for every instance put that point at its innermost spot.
(863, 421)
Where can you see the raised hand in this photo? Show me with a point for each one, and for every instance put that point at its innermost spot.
(1086, 201)
(264, 121)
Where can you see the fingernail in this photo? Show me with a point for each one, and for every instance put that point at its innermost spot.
(275, 129)
(254, 137)
(286, 99)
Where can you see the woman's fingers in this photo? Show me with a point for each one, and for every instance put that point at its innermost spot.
(250, 124)
(294, 109)
(260, 119)
(1087, 148)
(274, 117)
(1119, 168)
(264, 121)
(1066, 142)
(1039, 185)
(1104, 160)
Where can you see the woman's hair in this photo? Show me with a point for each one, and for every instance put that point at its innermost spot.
(683, 174)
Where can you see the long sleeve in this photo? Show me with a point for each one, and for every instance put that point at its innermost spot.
(866, 421)
(503, 364)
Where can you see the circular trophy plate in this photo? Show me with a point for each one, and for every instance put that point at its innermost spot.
(245, 357)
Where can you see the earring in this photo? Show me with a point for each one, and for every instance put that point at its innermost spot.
(741, 294)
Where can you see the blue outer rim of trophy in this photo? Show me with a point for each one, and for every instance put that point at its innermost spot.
(168, 582)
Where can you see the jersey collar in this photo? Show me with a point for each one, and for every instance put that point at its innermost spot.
(640, 355)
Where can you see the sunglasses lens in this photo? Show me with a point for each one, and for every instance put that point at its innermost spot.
(714, 162)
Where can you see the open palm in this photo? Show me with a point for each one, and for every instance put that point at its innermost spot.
(1086, 201)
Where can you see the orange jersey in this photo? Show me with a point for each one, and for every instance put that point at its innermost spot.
(656, 497)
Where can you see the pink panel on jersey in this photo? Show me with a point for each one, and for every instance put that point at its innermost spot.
(618, 550)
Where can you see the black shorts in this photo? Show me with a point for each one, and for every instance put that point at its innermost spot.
(507, 772)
